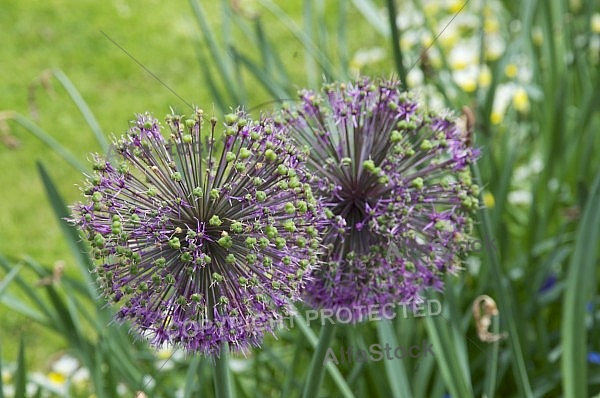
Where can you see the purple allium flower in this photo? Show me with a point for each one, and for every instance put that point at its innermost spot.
(398, 188)
(201, 243)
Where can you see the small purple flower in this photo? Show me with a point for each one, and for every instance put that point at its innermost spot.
(548, 284)
(396, 181)
(201, 243)
(594, 357)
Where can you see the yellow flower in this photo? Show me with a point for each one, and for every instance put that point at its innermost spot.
(575, 5)
(164, 353)
(455, 6)
(595, 23)
(488, 199)
(57, 378)
(448, 40)
(426, 40)
(511, 71)
(491, 25)
(521, 100)
(485, 77)
(430, 8)
(537, 36)
(468, 86)
(488, 11)
(6, 377)
(496, 117)
(405, 43)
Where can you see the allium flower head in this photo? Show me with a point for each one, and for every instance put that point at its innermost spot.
(398, 188)
(201, 242)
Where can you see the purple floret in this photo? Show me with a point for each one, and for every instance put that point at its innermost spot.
(396, 183)
(202, 243)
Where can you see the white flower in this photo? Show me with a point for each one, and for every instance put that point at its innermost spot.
(122, 389)
(414, 77)
(520, 197)
(464, 54)
(466, 78)
(502, 98)
(408, 16)
(553, 185)
(535, 166)
(494, 47)
(366, 56)
(54, 382)
(238, 365)
(65, 365)
(81, 376)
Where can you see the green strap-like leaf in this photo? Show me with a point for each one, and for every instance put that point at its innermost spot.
(581, 280)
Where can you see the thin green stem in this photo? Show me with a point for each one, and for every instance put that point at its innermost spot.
(506, 297)
(315, 375)
(221, 375)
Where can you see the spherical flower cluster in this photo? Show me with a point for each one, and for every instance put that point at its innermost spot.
(201, 242)
(396, 182)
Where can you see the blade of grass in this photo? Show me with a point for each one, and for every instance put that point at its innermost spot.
(32, 294)
(16, 305)
(334, 372)
(422, 373)
(310, 46)
(309, 62)
(221, 374)
(371, 13)
(267, 80)
(395, 370)
(1, 373)
(96, 375)
(291, 372)
(224, 67)
(83, 108)
(47, 139)
(74, 242)
(66, 323)
(395, 41)
(447, 355)
(8, 278)
(581, 278)
(459, 324)
(21, 373)
(271, 57)
(505, 297)
(210, 79)
(491, 365)
(315, 370)
(341, 37)
(228, 38)
(188, 388)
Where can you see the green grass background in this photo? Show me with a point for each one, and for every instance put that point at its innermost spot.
(38, 35)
